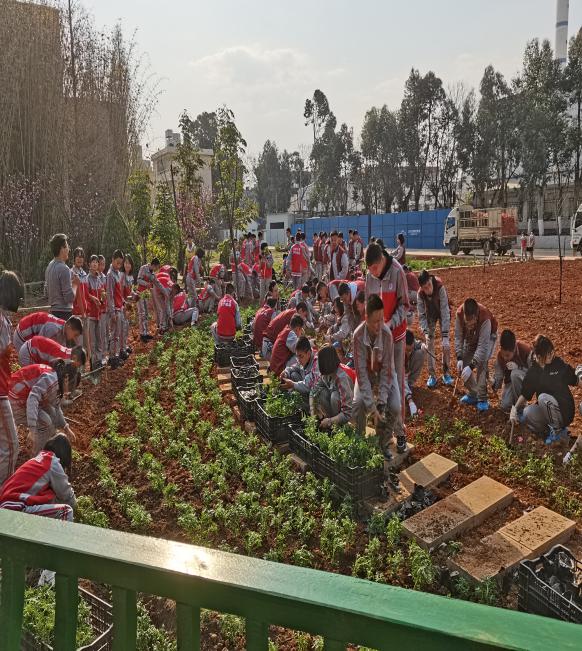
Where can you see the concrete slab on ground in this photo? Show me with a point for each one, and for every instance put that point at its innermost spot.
(530, 536)
(430, 471)
(398, 458)
(539, 530)
(383, 505)
(225, 388)
(223, 377)
(465, 509)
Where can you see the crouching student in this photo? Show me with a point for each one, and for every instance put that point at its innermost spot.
(40, 486)
(182, 311)
(339, 333)
(35, 397)
(283, 352)
(277, 324)
(549, 378)
(40, 350)
(228, 321)
(414, 360)
(377, 388)
(513, 360)
(332, 394)
(208, 297)
(302, 375)
(263, 317)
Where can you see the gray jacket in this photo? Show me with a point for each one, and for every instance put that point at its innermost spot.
(58, 286)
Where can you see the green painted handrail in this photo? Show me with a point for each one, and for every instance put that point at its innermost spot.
(340, 608)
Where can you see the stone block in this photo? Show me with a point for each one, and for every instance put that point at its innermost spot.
(430, 471)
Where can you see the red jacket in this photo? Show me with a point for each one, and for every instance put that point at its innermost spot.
(280, 354)
(164, 280)
(32, 324)
(262, 319)
(297, 258)
(226, 322)
(22, 381)
(180, 303)
(43, 351)
(278, 323)
(81, 295)
(216, 270)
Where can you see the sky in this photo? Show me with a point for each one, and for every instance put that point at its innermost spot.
(263, 58)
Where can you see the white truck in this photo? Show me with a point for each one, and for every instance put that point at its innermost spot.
(576, 231)
(468, 228)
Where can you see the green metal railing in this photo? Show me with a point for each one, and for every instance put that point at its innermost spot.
(342, 609)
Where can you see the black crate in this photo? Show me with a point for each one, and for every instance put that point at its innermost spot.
(359, 483)
(275, 428)
(537, 596)
(237, 348)
(238, 361)
(247, 403)
(245, 377)
(301, 446)
(101, 621)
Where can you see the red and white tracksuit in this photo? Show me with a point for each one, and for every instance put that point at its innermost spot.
(96, 314)
(128, 282)
(8, 434)
(115, 310)
(161, 294)
(40, 350)
(182, 312)
(35, 400)
(37, 323)
(193, 276)
(224, 328)
(146, 279)
(40, 487)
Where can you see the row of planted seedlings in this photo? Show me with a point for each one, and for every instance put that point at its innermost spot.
(225, 488)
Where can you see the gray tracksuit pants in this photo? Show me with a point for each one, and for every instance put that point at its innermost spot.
(96, 339)
(545, 412)
(115, 332)
(512, 390)
(476, 385)
(9, 447)
(431, 349)
(413, 371)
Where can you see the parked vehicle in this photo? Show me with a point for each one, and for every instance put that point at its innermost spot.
(468, 228)
(576, 231)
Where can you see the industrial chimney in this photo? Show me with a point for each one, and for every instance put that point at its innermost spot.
(562, 10)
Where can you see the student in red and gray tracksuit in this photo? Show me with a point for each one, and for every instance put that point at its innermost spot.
(338, 259)
(35, 395)
(163, 299)
(218, 272)
(386, 278)
(182, 312)
(277, 324)
(11, 293)
(41, 486)
(40, 350)
(34, 324)
(115, 308)
(95, 313)
(475, 337)
(513, 360)
(296, 256)
(332, 394)
(129, 298)
(306, 270)
(376, 390)
(283, 353)
(265, 271)
(228, 322)
(355, 250)
(194, 276)
(263, 317)
(146, 279)
(209, 296)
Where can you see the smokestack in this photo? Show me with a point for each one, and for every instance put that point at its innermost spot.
(562, 10)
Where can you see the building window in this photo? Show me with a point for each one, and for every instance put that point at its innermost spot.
(277, 226)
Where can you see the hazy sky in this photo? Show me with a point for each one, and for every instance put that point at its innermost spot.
(263, 58)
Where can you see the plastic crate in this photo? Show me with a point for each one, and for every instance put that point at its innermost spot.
(301, 446)
(238, 361)
(359, 483)
(236, 348)
(537, 596)
(275, 428)
(245, 377)
(246, 403)
(101, 621)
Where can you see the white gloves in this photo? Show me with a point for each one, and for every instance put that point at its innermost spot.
(466, 374)
(424, 347)
(413, 408)
(513, 417)
(511, 366)
(460, 366)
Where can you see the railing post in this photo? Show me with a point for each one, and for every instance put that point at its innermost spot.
(12, 604)
(188, 627)
(257, 635)
(67, 604)
(334, 645)
(124, 619)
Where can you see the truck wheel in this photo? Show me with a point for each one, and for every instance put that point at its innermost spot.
(454, 247)
(466, 251)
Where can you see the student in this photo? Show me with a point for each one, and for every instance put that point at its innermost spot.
(273, 292)
(81, 291)
(209, 296)
(355, 249)
(40, 486)
(325, 313)
(218, 272)
(194, 275)
(259, 246)
(549, 379)
(11, 296)
(288, 237)
(276, 326)
(40, 350)
(129, 298)
(263, 317)
(338, 259)
(146, 279)
(95, 313)
(189, 253)
(317, 244)
(513, 360)
(523, 247)
(164, 297)
(302, 375)
(103, 321)
(492, 248)
(386, 278)
(399, 252)
(58, 282)
(358, 310)
(245, 275)
(283, 352)
(413, 286)
(414, 363)
(228, 321)
(307, 269)
(47, 325)
(475, 337)
(114, 288)
(297, 256)
(332, 394)
(265, 271)
(182, 311)
(348, 293)
(340, 330)
(377, 389)
(35, 395)
(433, 307)
(531, 243)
